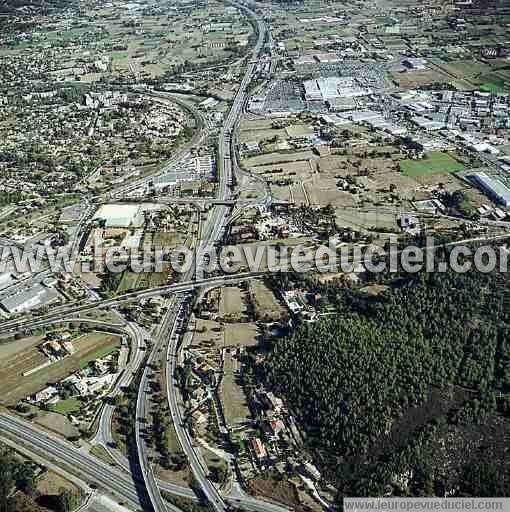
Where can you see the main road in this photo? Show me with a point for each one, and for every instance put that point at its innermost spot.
(68, 459)
(211, 233)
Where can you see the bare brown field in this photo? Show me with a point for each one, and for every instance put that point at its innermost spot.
(365, 220)
(279, 158)
(323, 191)
(274, 173)
(208, 331)
(57, 423)
(261, 135)
(415, 78)
(51, 484)
(280, 192)
(10, 349)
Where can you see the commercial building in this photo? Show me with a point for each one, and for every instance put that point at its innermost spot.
(492, 187)
(332, 88)
(414, 64)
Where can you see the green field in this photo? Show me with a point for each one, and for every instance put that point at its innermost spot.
(493, 86)
(66, 407)
(118, 55)
(139, 280)
(434, 162)
(99, 354)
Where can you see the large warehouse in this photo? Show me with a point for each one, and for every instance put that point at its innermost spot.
(120, 215)
(492, 187)
(324, 89)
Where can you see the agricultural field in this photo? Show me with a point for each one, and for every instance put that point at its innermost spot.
(232, 395)
(273, 159)
(414, 79)
(67, 406)
(139, 280)
(143, 40)
(492, 76)
(232, 307)
(433, 162)
(266, 307)
(15, 386)
(208, 332)
(52, 421)
(240, 334)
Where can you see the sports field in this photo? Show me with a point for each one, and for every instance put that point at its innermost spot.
(434, 162)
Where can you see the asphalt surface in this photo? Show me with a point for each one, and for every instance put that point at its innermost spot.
(65, 458)
(95, 471)
(212, 232)
(25, 323)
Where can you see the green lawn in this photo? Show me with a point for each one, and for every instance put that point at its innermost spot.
(99, 354)
(494, 86)
(434, 162)
(66, 407)
(119, 55)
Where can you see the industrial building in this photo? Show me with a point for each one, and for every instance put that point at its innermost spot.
(36, 296)
(6, 280)
(331, 88)
(492, 187)
(120, 215)
(193, 168)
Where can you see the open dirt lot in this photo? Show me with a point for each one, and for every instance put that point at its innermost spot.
(414, 79)
(208, 331)
(10, 349)
(275, 158)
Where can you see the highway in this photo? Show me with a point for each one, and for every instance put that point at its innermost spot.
(143, 407)
(60, 313)
(138, 346)
(68, 460)
(212, 232)
(97, 473)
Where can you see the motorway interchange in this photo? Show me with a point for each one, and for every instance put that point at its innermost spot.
(141, 490)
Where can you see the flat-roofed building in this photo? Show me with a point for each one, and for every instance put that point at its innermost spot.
(120, 215)
(333, 88)
(34, 297)
(492, 187)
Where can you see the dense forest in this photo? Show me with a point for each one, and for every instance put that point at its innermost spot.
(383, 385)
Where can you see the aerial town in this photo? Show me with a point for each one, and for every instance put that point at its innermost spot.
(172, 176)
